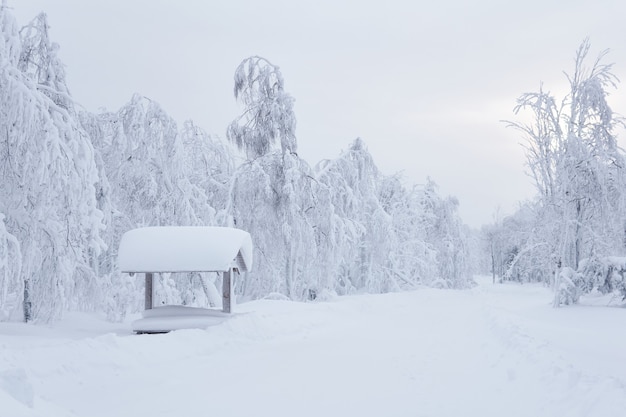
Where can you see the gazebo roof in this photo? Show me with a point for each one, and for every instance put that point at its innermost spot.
(185, 249)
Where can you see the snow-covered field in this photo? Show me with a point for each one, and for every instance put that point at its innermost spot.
(492, 351)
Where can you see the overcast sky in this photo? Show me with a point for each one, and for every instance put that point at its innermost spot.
(424, 84)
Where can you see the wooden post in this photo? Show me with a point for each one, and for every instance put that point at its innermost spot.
(227, 289)
(149, 290)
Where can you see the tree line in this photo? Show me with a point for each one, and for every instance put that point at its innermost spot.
(72, 182)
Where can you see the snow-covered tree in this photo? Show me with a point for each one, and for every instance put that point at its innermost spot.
(11, 288)
(353, 181)
(48, 174)
(271, 192)
(268, 117)
(39, 60)
(573, 157)
(270, 197)
(444, 232)
(517, 245)
(208, 163)
(386, 237)
(411, 260)
(147, 168)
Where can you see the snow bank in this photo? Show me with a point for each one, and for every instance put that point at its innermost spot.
(15, 383)
(183, 249)
(166, 318)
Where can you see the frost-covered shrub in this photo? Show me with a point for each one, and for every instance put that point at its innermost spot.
(591, 270)
(569, 286)
(603, 274)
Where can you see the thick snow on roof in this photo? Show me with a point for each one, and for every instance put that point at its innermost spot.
(184, 249)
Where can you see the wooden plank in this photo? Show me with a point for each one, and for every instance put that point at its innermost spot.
(227, 289)
(149, 290)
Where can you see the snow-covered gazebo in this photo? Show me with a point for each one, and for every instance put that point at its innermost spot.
(170, 249)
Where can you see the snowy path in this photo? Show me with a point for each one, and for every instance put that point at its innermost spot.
(492, 351)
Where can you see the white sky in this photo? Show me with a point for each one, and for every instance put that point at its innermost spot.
(423, 83)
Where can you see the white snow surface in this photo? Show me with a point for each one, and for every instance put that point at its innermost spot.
(183, 249)
(172, 317)
(495, 350)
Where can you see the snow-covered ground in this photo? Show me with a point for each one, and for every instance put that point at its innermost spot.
(492, 351)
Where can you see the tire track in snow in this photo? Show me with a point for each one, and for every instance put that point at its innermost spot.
(571, 391)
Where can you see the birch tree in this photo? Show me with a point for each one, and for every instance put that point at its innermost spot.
(573, 157)
(271, 192)
(48, 174)
(268, 118)
(445, 233)
(352, 183)
(412, 261)
(208, 163)
(270, 197)
(147, 169)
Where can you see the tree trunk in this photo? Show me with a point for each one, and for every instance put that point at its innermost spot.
(493, 265)
(578, 236)
(28, 305)
(557, 287)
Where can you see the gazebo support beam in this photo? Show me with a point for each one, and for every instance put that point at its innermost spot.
(227, 290)
(149, 290)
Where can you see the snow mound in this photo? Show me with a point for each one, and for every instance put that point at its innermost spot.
(166, 318)
(15, 382)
